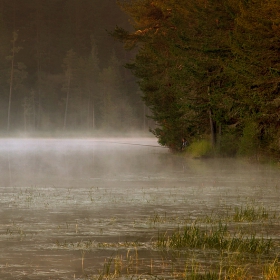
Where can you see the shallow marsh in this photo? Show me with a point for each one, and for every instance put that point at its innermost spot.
(99, 209)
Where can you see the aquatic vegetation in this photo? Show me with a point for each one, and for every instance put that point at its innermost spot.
(225, 245)
(216, 251)
(213, 238)
(271, 271)
(132, 267)
(249, 213)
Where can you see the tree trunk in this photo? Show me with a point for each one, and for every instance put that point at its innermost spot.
(67, 102)
(25, 120)
(88, 112)
(11, 80)
(213, 129)
(37, 119)
(93, 117)
(144, 117)
(212, 123)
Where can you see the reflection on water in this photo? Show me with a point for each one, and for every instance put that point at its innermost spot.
(107, 190)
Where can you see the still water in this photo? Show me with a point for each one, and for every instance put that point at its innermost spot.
(67, 206)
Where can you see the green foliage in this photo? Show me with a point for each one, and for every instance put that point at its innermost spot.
(180, 65)
(215, 238)
(229, 143)
(249, 213)
(249, 143)
(200, 148)
(253, 44)
(206, 68)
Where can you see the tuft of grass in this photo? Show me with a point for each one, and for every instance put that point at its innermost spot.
(194, 271)
(237, 273)
(107, 267)
(202, 276)
(249, 213)
(218, 238)
(271, 271)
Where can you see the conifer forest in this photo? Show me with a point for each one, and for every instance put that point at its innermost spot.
(61, 70)
(205, 69)
(209, 69)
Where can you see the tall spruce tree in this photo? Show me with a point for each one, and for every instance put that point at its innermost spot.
(180, 61)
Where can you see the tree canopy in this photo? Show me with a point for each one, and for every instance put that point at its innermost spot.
(208, 69)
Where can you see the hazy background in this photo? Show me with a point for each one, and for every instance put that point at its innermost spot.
(60, 70)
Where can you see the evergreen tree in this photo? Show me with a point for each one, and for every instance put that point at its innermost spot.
(256, 73)
(182, 52)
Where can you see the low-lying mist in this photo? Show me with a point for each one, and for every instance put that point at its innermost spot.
(56, 161)
(67, 205)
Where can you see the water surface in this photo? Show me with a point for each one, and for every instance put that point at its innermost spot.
(60, 199)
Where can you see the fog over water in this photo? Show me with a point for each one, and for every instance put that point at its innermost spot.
(106, 190)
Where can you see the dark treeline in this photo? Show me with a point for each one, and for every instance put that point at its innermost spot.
(209, 69)
(60, 70)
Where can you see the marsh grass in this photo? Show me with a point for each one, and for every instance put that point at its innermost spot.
(250, 213)
(121, 267)
(213, 247)
(271, 271)
(207, 248)
(224, 242)
(217, 237)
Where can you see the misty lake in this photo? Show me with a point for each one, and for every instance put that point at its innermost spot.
(68, 207)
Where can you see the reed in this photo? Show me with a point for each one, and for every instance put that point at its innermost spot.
(271, 271)
(249, 213)
(221, 248)
(214, 238)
